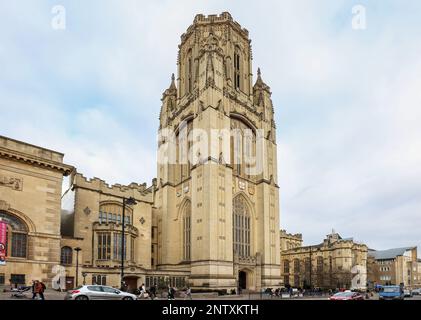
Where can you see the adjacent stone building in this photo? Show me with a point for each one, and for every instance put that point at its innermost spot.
(210, 218)
(30, 200)
(290, 241)
(334, 263)
(393, 267)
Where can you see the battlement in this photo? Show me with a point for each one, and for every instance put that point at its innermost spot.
(224, 17)
(284, 233)
(135, 190)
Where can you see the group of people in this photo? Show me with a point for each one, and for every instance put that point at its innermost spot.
(153, 290)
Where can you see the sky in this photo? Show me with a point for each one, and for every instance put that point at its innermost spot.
(347, 101)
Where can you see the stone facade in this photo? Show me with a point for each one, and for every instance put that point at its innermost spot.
(393, 267)
(334, 263)
(30, 199)
(214, 91)
(290, 241)
(418, 279)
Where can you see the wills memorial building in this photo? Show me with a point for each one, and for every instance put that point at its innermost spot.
(211, 217)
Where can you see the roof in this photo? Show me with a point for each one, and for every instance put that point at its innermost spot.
(389, 254)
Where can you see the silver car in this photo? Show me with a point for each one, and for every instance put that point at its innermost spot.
(95, 292)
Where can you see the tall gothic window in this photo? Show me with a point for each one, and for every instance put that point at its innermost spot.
(237, 73)
(286, 266)
(297, 266)
(187, 232)
(104, 246)
(117, 246)
(16, 236)
(243, 148)
(241, 227)
(189, 73)
(319, 264)
(184, 147)
(66, 255)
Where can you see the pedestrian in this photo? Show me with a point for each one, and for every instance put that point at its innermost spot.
(40, 288)
(142, 289)
(34, 293)
(152, 292)
(188, 293)
(171, 293)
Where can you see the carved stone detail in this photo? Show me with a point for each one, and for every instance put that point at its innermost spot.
(11, 182)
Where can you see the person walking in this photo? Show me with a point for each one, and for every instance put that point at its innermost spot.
(39, 289)
(34, 293)
(171, 292)
(188, 293)
(152, 292)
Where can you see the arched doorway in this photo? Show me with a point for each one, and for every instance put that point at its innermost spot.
(242, 280)
(131, 282)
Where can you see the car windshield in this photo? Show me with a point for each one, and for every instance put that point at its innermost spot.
(391, 289)
(344, 294)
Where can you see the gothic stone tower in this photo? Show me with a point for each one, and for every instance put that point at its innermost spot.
(218, 221)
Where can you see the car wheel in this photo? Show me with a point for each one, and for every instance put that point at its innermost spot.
(81, 298)
(127, 298)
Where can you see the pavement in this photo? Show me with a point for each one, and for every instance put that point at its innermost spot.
(55, 295)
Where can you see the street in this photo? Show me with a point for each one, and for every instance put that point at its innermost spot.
(55, 295)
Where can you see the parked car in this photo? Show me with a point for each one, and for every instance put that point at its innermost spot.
(407, 293)
(95, 292)
(347, 295)
(391, 293)
(416, 292)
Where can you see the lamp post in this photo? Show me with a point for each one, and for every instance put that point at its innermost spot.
(130, 202)
(311, 267)
(77, 265)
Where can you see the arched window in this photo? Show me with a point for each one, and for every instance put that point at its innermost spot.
(189, 72)
(113, 213)
(297, 266)
(184, 147)
(187, 231)
(16, 236)
(319, 264)
(243, 148)
(241, 227)
(66, 255)
(237, 68)
(286, 266)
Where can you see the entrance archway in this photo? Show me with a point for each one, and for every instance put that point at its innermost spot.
(242, 280)
(131, 282)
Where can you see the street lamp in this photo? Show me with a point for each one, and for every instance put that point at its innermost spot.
(311, 267)
(77, 265)
(130, 202)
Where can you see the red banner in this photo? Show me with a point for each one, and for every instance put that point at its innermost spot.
(3, 230)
